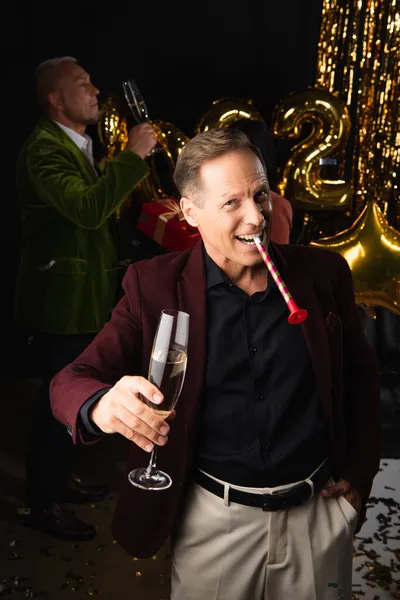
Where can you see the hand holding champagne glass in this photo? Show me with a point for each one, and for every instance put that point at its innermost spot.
(167, 372)
(137, 105)
(141, 140)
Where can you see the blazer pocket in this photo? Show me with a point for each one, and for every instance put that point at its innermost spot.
(334, 330)
(65, 293)
(335, 340)
(74, 267)
(333, 322)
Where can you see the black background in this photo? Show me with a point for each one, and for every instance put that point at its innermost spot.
(182, 55)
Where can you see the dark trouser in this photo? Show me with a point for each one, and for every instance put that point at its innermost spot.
(50, 444)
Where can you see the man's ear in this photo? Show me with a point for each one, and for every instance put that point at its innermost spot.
(54, 99)
(189, 209)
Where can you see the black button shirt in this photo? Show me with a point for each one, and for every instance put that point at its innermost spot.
(260, 423)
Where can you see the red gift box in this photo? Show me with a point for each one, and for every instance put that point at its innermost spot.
(164, 222)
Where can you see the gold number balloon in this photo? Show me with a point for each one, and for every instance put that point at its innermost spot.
(226, 111)
(111, 127)
(160, 182)
(372, 249)
(301, 179)
(113, 134)
(172, 140)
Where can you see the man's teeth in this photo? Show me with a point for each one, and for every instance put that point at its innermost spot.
(249, 239)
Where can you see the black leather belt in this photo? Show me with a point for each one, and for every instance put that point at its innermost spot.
(280, 500)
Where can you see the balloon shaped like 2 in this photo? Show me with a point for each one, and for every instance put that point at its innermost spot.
(301, 182)
(372, 249)
(226, 111)
(172, 140)
(160, 183)
(113, 134)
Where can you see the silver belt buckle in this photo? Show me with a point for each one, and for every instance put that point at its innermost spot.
(312, 489)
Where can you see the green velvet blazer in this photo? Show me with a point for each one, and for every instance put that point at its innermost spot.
(66, 282)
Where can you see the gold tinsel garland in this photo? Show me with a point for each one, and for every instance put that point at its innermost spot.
(359, 57)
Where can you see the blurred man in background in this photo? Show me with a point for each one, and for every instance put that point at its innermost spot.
(66, 283)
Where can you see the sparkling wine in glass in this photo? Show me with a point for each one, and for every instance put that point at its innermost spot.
(167, 372)
(137, 105)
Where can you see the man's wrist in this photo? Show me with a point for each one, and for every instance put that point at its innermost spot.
(85, 414)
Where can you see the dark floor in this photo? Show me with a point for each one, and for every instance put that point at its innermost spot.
(33, 564)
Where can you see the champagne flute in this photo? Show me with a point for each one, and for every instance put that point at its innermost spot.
(137, 105)
(166, 371)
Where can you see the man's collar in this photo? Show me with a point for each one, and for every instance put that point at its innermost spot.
(215, 275)
(82, 141)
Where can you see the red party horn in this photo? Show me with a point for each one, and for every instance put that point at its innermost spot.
(297, 315)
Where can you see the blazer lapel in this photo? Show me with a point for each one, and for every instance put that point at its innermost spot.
(192, 299)
(87, 170)
(302, 289)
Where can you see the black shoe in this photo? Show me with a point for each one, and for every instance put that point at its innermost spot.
(60, 523)
(77, 493)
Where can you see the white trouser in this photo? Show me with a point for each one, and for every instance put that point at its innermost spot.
(237, 552)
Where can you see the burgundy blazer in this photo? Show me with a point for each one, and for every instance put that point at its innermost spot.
(345, 370)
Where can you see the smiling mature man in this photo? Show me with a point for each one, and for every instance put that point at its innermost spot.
(276, 438)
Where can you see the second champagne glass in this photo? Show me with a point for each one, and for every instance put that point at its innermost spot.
(167, 372)
(137, 105)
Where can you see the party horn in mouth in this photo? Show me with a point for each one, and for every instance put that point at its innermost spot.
(297, 315)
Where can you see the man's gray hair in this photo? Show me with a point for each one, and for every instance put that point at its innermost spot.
(53, 62)
(47, 75)
(204, 147)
